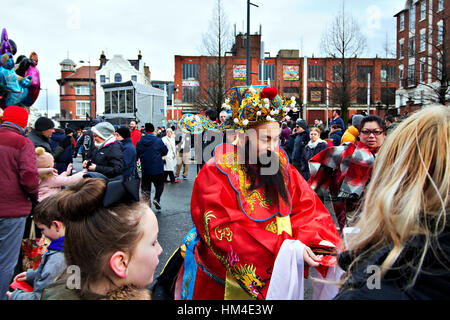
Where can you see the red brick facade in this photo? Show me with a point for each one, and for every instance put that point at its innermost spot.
(288, 71)
(68, 92)
(419, 64)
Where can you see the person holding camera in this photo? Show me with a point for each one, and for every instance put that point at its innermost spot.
(107, 157)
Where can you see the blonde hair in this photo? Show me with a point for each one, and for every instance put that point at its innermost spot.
(315, 129)
(408, 194)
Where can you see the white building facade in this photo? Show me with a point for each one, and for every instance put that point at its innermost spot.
(118, 70)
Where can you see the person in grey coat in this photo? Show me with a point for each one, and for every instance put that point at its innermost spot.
(53, 263)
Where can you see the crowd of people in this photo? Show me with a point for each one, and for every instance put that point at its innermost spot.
(257, 232)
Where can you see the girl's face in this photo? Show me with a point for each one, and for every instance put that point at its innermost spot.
(313, 135)
(144, 260)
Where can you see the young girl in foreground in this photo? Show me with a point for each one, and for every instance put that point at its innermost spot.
(115, 249)
(402, 250)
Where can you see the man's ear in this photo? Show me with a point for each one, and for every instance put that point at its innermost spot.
(119, 264)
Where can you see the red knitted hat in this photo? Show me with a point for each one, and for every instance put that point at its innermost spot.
(17, 115)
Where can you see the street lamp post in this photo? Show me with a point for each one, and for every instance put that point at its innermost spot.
(248, 40)
(90, 89)
(46, 100)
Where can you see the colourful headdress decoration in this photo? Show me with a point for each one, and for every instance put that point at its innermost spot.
(252, 106)
(195, 124)
(249, 107)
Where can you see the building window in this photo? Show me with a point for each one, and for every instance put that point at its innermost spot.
(107, 102)
(190, 94)
(423, 38)
(63, 90)
(269, 72)
(363, 71)
(411, 47)
(82, 107)
(423, 9)
(401, 46)
(114, 102)
(316, 73)
(117, 77)
(388, 96)
(120, 101)
(439, 67)
(134, 78)
(400, 76)
(361, 96)
(214, 70)
(121, 98)
(189, 71)
(82, 90)
(338, 74)
(388, 74)
(102, 79)
(411, 80)
(422, 70)
(412, 18)
(440, 32)
(130, 101)
(402, 21)
(440, 5)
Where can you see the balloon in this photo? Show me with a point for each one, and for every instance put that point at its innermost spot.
(15, 91)
(5, 46)
(32, 71)
(22, 64)
(15, 98)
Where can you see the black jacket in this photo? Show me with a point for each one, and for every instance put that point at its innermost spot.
(433, 281)
(298, 154)
(150, 149)
(39, 140)
(108, 159)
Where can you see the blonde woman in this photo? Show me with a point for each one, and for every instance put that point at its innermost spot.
(402, 249)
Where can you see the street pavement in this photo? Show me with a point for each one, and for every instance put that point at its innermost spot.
(174, 220)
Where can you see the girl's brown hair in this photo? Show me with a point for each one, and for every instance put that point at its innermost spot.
(94, 233)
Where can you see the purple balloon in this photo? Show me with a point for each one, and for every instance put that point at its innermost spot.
(6, 46)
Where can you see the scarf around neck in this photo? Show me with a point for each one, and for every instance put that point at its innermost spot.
(57, 244)
(313, 145)
(108, 141)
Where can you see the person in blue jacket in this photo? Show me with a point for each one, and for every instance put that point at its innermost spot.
(337, 119)
(123, 135)
(66, 157)
(336, 134)
(150, 150)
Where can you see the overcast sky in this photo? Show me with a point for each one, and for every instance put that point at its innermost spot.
(82, 29)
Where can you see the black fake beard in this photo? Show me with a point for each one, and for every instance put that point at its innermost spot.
(273, 184)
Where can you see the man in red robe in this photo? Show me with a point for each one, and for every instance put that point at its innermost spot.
(246, 201)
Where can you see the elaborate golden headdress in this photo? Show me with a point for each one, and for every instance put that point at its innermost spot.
(249, 107)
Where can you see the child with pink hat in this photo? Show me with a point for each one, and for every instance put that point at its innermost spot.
(49, 183)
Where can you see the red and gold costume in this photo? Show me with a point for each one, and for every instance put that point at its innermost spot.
(231, 251)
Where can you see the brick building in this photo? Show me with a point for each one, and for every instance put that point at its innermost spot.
(423, 55)
(302, 77)
(74, 90)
